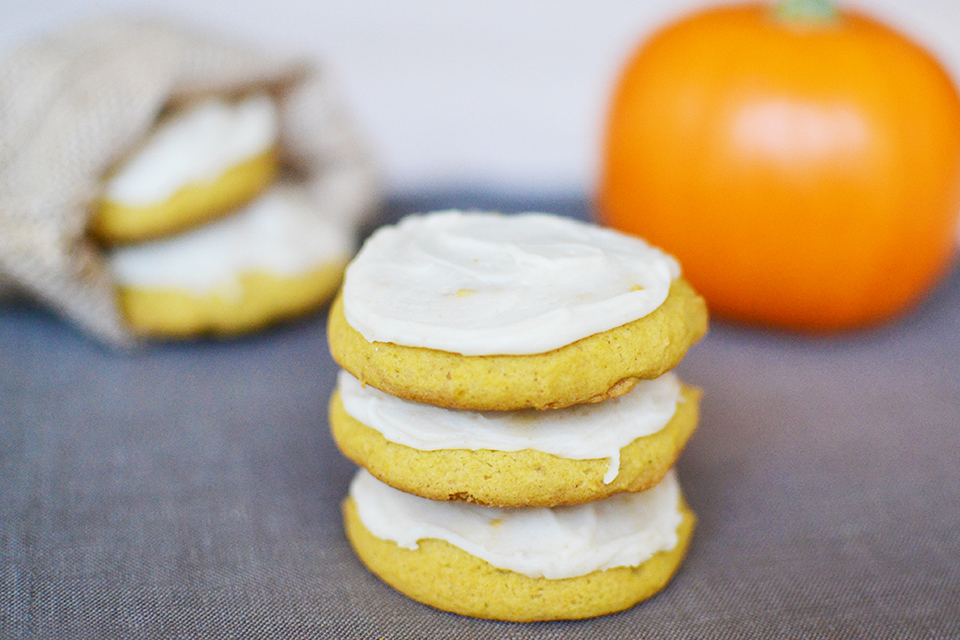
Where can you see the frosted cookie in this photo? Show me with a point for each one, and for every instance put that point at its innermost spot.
(278, 257)
(494, 312)
(517, 458)
(195, 165)
(521, 564)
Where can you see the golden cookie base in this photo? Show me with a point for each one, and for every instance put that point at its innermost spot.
(513, 478)
(601, 366)
(196, 203)
(254, 301)
(444, 576)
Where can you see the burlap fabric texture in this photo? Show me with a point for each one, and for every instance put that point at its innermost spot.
(75, 102)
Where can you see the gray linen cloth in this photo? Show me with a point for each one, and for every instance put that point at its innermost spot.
(193, 490)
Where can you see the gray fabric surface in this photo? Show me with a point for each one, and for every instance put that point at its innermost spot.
(192, 490)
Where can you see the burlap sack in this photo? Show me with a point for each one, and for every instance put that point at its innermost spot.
(75, 102)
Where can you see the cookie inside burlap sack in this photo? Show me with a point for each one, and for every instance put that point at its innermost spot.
(74, 103)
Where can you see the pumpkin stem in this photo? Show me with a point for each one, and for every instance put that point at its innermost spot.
(805, 12)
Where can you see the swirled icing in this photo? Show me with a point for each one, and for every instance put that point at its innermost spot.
(581, 432)
(196, 145)
(281, 233)
(486, 284)
(624, 530)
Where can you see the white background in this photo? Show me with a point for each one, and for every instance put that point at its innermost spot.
(502, 95)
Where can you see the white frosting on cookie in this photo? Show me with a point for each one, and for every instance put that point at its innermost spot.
(198, 144)
(624, 530)
(280, 233)
(486, 284)
(581, 432)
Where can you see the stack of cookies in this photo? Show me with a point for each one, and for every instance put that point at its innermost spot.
(507, 391)
(200, 234)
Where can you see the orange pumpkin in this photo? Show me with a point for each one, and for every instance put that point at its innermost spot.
(806, 173)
